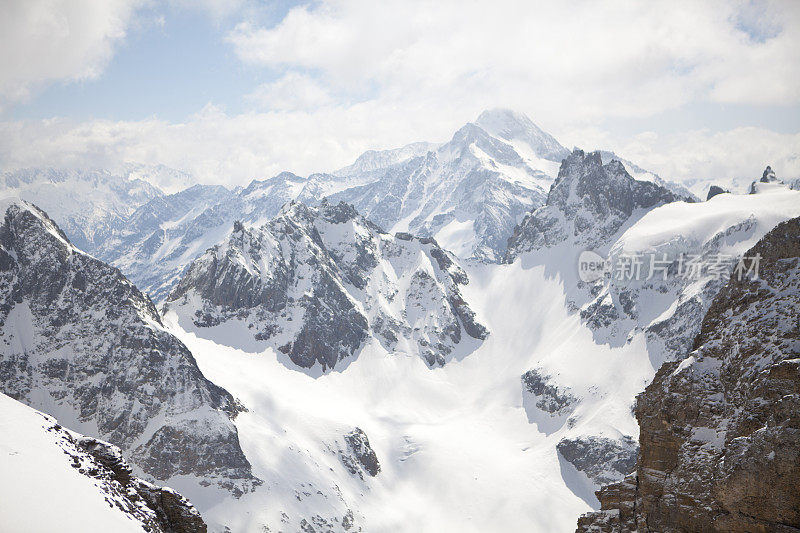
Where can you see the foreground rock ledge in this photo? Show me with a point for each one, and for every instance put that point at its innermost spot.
(720, 430)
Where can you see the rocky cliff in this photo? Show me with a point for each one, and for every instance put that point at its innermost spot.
(79, 341)
(720, 430)
(316, 283)
(587, 204)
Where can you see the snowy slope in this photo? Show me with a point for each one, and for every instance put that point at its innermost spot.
(57, 480)
(537, 416)
(457, 448)
(714, 234)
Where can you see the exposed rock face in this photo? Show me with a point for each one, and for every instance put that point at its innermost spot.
(603, 460)
(617, 509)
(715, 190)
(172, 512)
(549, 397)
(720, 430)
(767, 177)
(80, 341)
(640, 174)
(587, 204)
(359, 458)
(316, 282)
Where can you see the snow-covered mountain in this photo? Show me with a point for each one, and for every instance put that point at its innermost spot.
(315, 283)
(468, 193)
(80, 342)
(640, 174)
(552, 387)
(675, 254)
(679, 255)
(587, 205)
(384, 379)
(88, 205)
(54, 479)
(163, 236)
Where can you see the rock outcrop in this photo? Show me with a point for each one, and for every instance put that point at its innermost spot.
(359, 457)
(714, 190)
(547, 396)
(171, 511)
(720, 430)
(587, 204)
(81, 342)
(315, 283)
(768, 176)
(601, 459)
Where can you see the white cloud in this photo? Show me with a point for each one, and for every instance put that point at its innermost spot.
(291, 92)
(232, 150)
(43, 41)
(568, 61)
(722, 156)
(359, 75)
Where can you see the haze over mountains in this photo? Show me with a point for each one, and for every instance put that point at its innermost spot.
(401, 344)
(469, 193)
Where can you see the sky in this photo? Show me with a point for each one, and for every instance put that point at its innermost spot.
(237, 90)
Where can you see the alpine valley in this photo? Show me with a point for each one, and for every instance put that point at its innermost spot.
(409, 343)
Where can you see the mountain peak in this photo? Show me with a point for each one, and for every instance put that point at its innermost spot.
(769, 175)
(515, 126)
(503, 115)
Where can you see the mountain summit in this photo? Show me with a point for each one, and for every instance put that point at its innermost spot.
(514, 126)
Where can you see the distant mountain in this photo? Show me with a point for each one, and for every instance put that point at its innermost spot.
(468, 193)
(83, 344)
(89, 205)
(49, 472)
(168, 233)
(525, 136)
(380, 159)
(317, 283)
(641, 174)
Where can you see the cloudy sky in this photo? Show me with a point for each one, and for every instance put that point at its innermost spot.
(234, 90)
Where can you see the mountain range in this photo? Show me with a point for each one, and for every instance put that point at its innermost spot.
(407, 343)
